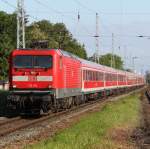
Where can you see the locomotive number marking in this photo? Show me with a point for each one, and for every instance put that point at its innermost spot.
(32, 78)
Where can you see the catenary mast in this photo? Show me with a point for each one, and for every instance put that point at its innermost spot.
(20, 24)
(96, 57)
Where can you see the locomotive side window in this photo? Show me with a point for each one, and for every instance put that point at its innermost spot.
(29, 61)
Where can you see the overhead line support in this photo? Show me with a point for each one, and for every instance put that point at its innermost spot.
(20, 24)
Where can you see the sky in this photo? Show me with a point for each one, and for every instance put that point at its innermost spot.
(126, 19)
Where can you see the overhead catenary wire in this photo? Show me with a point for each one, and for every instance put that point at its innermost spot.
(91, 14)
(9, 4)
(60, 12)
(86, 30)
(47, 7)
(74, 13)
(39, 2)
(84, 6)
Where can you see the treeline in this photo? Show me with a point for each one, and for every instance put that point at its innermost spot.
(109, 60)
(55, 35)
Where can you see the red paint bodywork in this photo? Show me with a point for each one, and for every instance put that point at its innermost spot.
(67, 72)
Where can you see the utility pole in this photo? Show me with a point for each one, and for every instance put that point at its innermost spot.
(20, 24)
(133, 63)
(96, 57)
(112, 54)
(125, 55)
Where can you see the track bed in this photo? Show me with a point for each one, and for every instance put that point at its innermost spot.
(33, 128)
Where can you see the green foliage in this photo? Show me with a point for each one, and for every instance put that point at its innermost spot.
(57, 36)
(106, 60)
(7, 40)
(91, 130)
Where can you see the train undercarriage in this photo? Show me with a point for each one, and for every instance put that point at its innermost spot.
(35, 104)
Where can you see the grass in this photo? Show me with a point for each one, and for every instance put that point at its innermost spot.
(92, 129)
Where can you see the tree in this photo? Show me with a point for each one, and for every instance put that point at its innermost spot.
(106, 60)
(7, 40)
(57, 36)
(34, 34)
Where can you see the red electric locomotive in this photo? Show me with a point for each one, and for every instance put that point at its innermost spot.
(52, 79)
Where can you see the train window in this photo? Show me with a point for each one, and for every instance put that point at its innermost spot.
(30, 61)
(121, 78)
(97, 76)
(101, 76)
(42, 61)
(94, 76)
(109, 77)
(22, 61)
(112, 77)
(61, 63)
(88, 75)
(106, 77)
(115, 77)
(91, 76)
(84, 74)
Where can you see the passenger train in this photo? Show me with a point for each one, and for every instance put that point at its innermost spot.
(53, 79)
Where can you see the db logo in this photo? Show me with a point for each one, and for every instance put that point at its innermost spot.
(32, 78)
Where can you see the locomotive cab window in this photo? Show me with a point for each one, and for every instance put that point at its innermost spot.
(42, 61)
(31, 61)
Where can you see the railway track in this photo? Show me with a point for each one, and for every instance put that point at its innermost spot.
(10, 126)
(3, 122)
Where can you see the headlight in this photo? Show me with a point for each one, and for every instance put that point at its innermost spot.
(14, 86)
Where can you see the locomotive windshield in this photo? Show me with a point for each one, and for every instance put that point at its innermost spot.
(31, 61)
